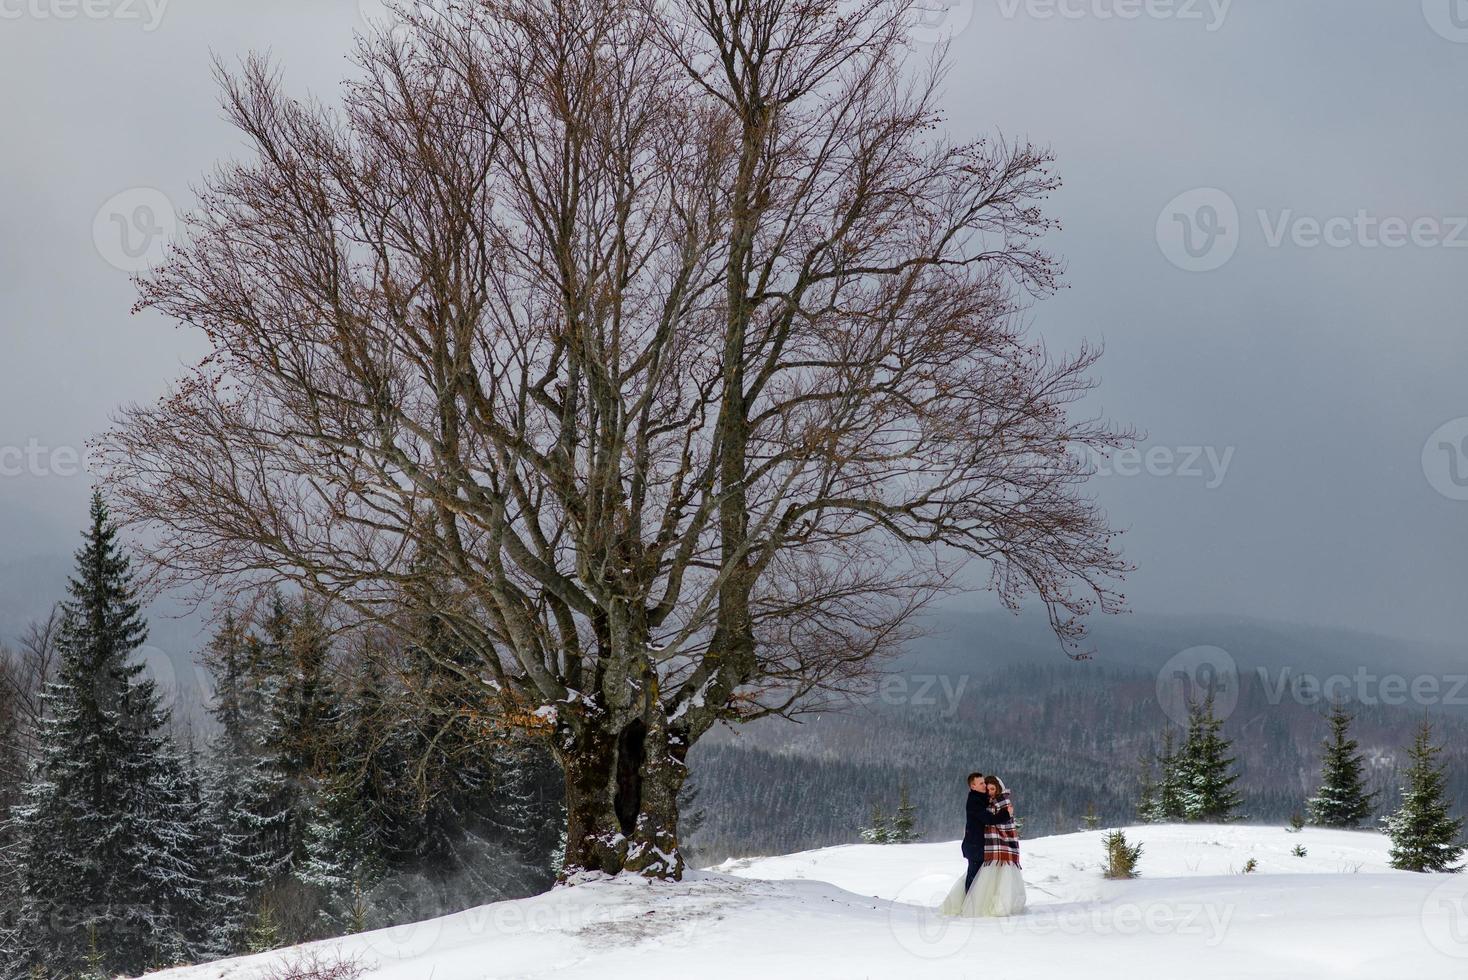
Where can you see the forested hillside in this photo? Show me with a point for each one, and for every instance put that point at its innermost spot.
(1066, 736)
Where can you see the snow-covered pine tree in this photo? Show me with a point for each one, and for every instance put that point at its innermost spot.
(179, 879)
(1425, 836)
(12, 778)
(297, 752)
(479, 820)
(904, 824)
(268, 670)
(10, 939)
(878, 832)
(334, 842)
(244, 807)
(303, 710)
(360, 807)
(1146, 788)
(1206, 768)
(264, 934)
(1167, 803)
(96, 963)
(106, 832)
(691, 816)
(224, 854)
(1342, 800)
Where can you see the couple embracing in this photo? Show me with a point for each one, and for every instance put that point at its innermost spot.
(992, 886)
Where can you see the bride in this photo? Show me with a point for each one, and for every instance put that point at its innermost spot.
(999, 889)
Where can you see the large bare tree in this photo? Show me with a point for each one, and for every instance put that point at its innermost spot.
(666, 349)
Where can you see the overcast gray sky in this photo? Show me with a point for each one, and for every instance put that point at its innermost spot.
(1289, 366)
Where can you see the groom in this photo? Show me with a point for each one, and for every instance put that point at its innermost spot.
(975, 809)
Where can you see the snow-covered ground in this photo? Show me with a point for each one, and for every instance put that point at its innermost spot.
(867, 911)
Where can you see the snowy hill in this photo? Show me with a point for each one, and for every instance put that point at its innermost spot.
(866, 911)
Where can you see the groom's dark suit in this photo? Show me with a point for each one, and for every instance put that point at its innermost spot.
(975, 816)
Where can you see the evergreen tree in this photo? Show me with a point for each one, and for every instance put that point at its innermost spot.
(1425, 836)
(302, 712)
(1342, 800)
(904, 824)
(333, 868)
(1206, 768)
(346, 808)
(107, 832)
(1121, 857)
(878, 832)
(1168, 801)
(267, 672)
(1146, 789)
(243, 793)
(485, 802)
(361, 808)
(264, 935)
(295, 755)
(691, 816)
(96, 963)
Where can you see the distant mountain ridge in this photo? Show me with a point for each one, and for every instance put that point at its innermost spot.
(1146, 640)
(994, 691)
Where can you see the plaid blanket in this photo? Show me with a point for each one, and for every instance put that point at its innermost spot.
(1001, 839)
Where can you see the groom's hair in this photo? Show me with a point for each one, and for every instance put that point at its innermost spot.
(974, 775)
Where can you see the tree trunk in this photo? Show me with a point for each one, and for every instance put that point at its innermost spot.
(622, 798)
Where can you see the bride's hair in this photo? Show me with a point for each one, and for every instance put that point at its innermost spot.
(996, 783)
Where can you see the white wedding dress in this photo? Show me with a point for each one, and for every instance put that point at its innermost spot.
(998, 890)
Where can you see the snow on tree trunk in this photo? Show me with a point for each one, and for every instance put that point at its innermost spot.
(622, 800)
